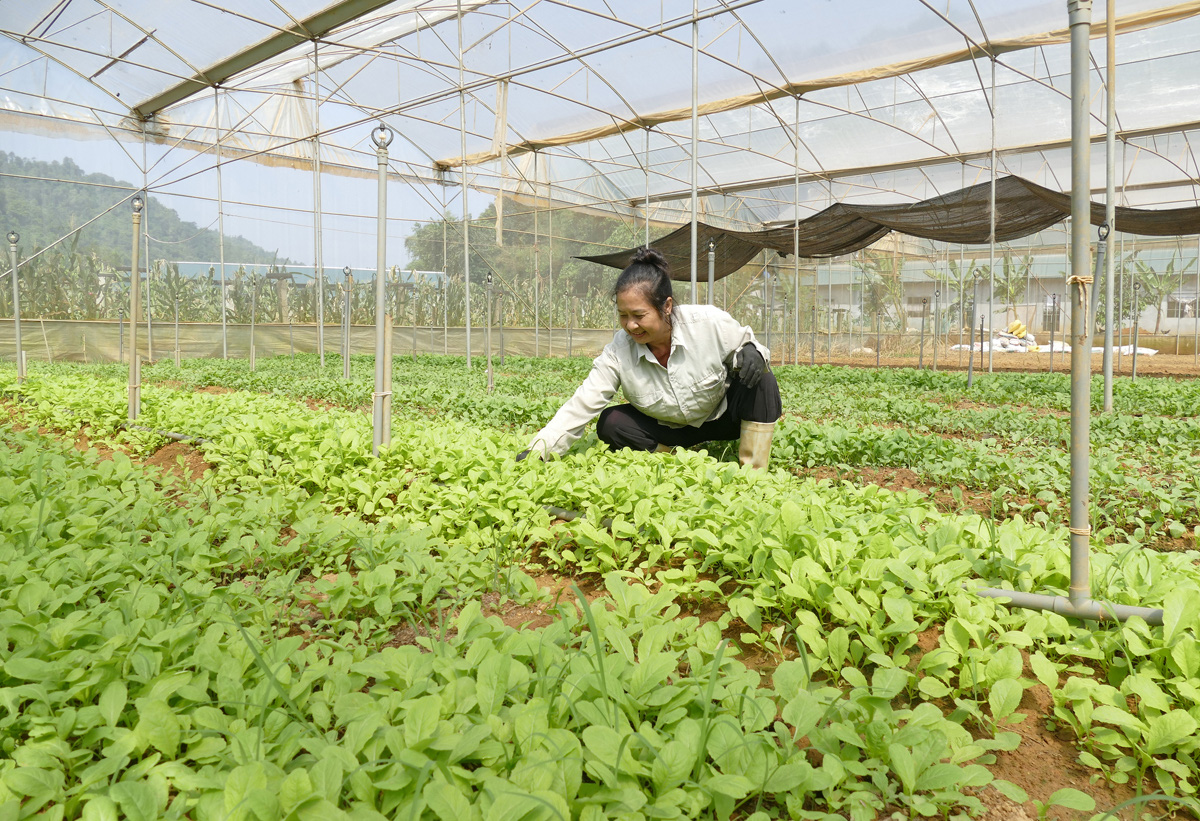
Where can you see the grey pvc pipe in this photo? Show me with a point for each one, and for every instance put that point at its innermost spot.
(135, 299)
(1081, 608)
(317, 247)
(380, 434)
(1080, 12)
(712, 269)
(466, 214)
(695, 137)
(1110, 204)
(16, 289)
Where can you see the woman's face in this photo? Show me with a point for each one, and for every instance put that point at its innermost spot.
(641, 321)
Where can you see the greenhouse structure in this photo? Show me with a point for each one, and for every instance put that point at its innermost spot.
(342, 479)
(533, 127)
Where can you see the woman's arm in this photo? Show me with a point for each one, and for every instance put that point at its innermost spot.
(584, 405)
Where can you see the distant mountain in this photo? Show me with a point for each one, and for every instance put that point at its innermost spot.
(42, 210)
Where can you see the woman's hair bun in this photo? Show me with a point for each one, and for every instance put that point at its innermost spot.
(649, 256)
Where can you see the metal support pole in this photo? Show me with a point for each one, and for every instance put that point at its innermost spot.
(253, 314)
(937, 323)
(466, 215)
(695, 138)
(812, 353)
(220, 226)
(712, 269)
(381, 135)
(500, 302)
(924, 317)
(135, 307)
(347, 302)
(120, 334)
(991, 320)
(1110, 199)
(177, 363)
(878, 336)
(971, 353)
(491, 380)
(319, 262)
(1079, 602)
(1137, 324)
(1081, 276)
(13, 239)
(1053, 325)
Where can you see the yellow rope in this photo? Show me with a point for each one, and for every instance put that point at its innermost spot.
(1081, 531)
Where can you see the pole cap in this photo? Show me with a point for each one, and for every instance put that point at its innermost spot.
(382, 135)
(13, 237)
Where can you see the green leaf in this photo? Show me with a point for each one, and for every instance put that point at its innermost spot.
(295, 790)
(932, 687)
(1044, 669)
(904, 766)
(136, 799)
(1004, 697)
(1181, 610)
(672, 765)
(158, 726)
(1005, 664)
(112, 702)
(1010, 791)
(1072, 799)
(1168, 729)
(447, 801)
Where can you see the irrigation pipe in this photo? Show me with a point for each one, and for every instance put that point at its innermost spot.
(1079, 603)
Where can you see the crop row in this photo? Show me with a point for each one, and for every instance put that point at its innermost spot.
(843, 576)
(152, 671)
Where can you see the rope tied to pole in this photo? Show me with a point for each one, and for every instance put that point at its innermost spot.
(1082, 531)
(1083, 282)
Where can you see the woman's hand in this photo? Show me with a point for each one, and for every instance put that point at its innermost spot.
(751, 365)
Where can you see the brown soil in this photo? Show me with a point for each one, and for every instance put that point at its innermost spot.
(216, 389)
(83, 444)
(180, 461)
(901, 480)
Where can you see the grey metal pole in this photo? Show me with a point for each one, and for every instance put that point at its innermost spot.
(466, 215)
(381, 437)
(220, 226)
(500, 302)
(937, 323)
(646, 174)
(991, 320)
(695, 137)
(13, 239)
(1080, 12)
(971, 353)
(1137, 324)
(812, 353)
(795, 230)
(177, 332)
(120, 334)
(317, 235)
(921, 355)
(253, 314)
(491, 383)
(135, 299)
(1110, 198)
(347, 301)
(712, 269)
(1053, 325)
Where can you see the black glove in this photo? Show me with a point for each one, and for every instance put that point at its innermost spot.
(521, 456)
(750, 365)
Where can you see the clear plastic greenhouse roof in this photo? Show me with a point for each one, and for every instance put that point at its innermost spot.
(590, 101)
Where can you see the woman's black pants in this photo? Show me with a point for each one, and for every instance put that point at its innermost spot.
(624, 426)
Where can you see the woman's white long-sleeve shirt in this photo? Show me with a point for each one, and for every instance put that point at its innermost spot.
(689, 390)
